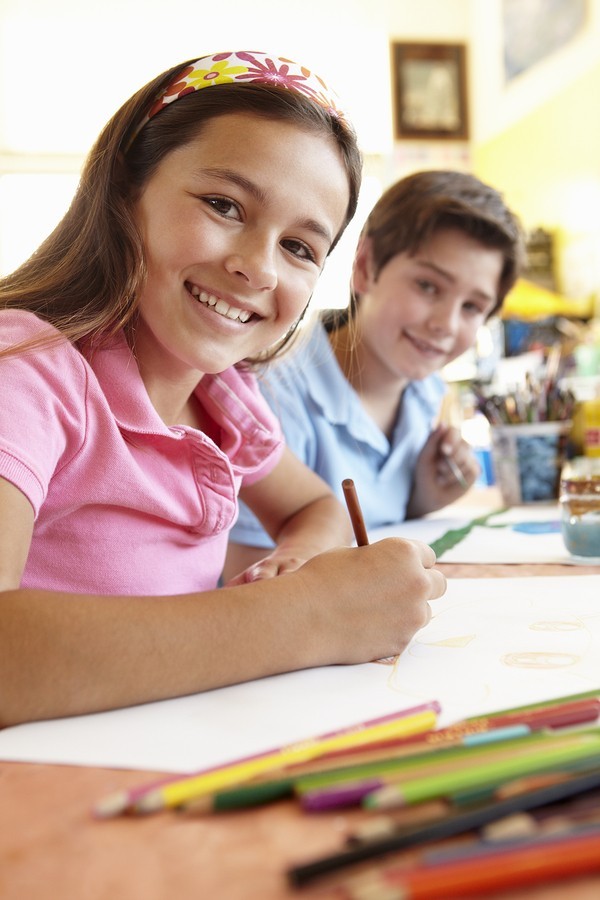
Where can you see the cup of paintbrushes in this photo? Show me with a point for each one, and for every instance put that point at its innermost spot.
(527, 460)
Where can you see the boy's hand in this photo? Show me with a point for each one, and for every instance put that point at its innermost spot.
(445, 470)
(276, 563)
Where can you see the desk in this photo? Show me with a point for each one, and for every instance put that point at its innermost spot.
(51, 848)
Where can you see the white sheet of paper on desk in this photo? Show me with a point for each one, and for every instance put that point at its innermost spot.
(523, 534)
(427, 529)
(491, 644)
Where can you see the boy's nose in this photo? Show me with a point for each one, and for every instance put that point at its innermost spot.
(444, 319)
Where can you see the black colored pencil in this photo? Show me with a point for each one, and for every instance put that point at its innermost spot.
(449, 827)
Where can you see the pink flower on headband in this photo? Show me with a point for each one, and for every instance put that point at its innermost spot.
(247, 67)
(269, 73)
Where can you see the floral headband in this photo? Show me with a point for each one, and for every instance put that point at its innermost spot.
(245, 67)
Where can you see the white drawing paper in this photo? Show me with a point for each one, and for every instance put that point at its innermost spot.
(491, 644)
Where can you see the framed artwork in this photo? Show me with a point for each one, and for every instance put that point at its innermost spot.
(429, 91)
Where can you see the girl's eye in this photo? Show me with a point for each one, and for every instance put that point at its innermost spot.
(299, 249)
(224, 207)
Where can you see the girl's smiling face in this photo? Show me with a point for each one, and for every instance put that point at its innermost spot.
(236, 225)
(423, 310)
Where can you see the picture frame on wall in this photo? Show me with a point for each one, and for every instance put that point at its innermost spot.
(429, 91)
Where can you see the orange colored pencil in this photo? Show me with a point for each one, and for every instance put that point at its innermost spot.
(529, 862)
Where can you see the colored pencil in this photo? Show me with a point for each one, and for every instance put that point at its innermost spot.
(540, 704)
(485, 775)
(355, 513)
(336, 791)
(466, 798)
(359, 768)
(203, 783)
(445, 759)
(571, 710)
(264, 790)
(525, 863)
(122, 801)
(319, 793)
(383, 825)
(557, 716)
(448, 827)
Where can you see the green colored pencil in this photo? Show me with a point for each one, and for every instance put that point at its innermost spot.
(242, 797)
(430, 787)
(268, 790)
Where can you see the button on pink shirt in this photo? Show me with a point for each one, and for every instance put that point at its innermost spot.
(124, 504)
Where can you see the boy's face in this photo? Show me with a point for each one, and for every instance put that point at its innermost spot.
(423, 311)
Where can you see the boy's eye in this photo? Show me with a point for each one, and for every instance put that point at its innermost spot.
(474, 308)
(224, 207)
(427, 286)
(299, 249)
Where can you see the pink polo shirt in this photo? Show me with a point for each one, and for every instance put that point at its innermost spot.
(123, 503)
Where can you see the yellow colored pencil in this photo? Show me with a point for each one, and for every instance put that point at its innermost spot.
(174, 793)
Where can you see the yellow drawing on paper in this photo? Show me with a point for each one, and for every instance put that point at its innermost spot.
(540, 660)
(460, 641)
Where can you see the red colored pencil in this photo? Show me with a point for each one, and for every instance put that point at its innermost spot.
(529, 862)
(559, 715)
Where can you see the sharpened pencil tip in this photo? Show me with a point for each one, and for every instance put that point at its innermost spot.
(384, 798)
(111, 806)
(149, 803)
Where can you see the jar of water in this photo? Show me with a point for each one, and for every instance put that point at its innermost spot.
(580, 508)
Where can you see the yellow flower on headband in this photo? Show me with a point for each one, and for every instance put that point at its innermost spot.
(220, 72)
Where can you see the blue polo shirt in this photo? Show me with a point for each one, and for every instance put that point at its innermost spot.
(326, 426)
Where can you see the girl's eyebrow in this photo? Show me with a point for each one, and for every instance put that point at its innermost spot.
(230, 175)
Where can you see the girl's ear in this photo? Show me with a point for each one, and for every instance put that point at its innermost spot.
(362, 269)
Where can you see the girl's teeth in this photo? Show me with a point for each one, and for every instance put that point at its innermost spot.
(220, 306)
(208, 298)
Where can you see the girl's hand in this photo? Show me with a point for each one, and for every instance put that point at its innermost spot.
(445, 470)
(368, 602)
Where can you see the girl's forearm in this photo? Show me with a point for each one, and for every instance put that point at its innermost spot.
(63, 655)
(66, 654)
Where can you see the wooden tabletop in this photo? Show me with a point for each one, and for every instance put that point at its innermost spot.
(51, 847)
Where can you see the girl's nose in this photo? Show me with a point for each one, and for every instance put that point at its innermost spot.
(254, 260)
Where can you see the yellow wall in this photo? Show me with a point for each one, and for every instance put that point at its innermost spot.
(548, 167)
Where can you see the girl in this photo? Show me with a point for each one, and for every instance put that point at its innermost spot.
(436, 257)
(204, 215)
